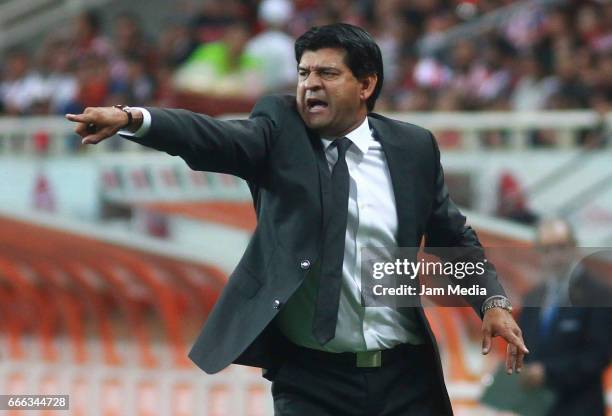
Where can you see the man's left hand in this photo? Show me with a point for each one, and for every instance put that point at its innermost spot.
(499, 322)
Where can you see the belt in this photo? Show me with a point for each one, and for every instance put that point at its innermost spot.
(364, 359)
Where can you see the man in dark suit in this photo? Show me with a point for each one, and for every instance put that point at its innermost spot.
(567, 323)
(328, 177)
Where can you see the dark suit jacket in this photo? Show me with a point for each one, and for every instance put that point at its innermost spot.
(576, 350)
(284, 165)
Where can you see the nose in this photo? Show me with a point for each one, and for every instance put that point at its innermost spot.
(312, 81)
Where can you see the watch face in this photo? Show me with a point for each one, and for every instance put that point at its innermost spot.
(505, 305)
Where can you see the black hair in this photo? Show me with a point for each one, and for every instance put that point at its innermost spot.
(363, 55)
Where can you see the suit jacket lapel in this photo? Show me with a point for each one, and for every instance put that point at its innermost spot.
(402, 169)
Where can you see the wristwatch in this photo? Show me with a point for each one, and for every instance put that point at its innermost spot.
(497, 302)
(127, 111)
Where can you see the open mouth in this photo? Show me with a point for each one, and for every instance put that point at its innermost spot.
(315, 104)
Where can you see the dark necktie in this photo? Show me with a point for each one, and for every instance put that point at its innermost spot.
(332, 257)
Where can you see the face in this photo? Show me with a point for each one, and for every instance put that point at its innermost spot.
(555, 243)
(330, 100)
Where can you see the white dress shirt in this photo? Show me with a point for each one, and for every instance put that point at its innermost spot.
(371, 222)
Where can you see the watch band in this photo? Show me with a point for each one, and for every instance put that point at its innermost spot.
(127, 111)
(497, 302)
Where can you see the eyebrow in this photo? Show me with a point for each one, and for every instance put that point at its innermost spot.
(318, 68)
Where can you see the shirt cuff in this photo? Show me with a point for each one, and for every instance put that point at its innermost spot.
(144, 128)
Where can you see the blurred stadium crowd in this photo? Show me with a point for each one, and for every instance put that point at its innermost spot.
(555, 56)
(541, 55)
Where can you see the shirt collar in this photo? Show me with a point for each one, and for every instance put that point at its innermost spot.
(361, 137)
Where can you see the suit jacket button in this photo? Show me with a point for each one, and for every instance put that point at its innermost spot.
(277, 304)
(305, 264)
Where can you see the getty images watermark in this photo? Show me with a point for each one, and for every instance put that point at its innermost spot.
(446, 276)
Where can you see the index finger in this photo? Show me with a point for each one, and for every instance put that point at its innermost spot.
(79, 118)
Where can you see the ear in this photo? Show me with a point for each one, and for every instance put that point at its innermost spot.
(368, 84)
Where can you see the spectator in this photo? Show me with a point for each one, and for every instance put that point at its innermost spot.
(20, 86)
(56, 71)
(491, 78)
(570, 92)
(589, 26)
(93, 83)
(566, 332)
(512, 200)
(386, 27)
(131, 45)
(430, 73)
(215, 17)
(533, 88)
(603, 82)
(273, 47)
(136, 87)
(602, 42)
(87, 37)
(223, 68)
(176, 43)
(405, 84)
(463, 59)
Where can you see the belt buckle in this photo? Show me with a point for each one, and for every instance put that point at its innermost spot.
(369, 359)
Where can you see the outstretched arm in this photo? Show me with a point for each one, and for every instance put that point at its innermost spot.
(237, 147)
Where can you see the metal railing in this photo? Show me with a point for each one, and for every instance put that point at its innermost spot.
(54, 135)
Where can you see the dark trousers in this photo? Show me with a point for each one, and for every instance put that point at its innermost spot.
(310, 385)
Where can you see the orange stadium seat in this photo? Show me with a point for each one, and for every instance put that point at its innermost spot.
(183, 399)
(112, 398)
(54, 283)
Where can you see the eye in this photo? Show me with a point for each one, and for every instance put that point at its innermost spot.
(328, 75)
(302, 74)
